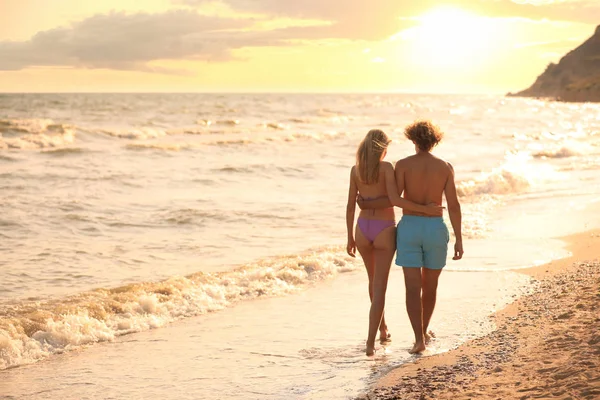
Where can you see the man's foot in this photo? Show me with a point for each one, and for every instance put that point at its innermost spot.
(370, 350)
(429, 336)
(417, 348)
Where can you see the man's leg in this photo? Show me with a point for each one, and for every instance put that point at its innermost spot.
(429, 283)
(412, 281)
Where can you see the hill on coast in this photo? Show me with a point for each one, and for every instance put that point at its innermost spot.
(576, 77)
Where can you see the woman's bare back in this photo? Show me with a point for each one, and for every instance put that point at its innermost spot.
(375, 191)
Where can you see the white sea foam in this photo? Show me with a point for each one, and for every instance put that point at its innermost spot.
(516, 175)
(499, 181)
(34, 133)
(140, 133)
(30, 332)
(28, 125)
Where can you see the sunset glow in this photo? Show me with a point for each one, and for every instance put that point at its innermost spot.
(451, 38)
(265, 46)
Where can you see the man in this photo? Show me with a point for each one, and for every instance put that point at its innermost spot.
(422, 240)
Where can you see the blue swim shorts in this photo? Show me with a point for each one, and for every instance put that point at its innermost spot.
(422, 242)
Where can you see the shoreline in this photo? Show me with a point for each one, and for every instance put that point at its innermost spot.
(545, 343)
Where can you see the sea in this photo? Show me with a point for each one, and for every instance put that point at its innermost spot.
(192, 246)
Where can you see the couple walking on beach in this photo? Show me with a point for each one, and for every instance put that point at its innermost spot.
(420, 239)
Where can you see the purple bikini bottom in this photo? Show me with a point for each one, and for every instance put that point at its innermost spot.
(371, 228)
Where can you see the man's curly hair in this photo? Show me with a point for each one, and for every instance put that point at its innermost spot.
(424, 134)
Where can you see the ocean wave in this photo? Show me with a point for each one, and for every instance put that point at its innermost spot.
(7, 223)
(225, 141)
(501, 181)
(228, 122)
(30, 332)
(562, 152)
(37, 141)
(5, 157)
(190, 216)
(326, 112)
(34, 133)
(232, 142)
(276, 126)
(64, 151)
(28, 125)
(254, 168)
(141, 133)
(518, 174)
(158, 146)
(300, 120)
(565, 150)
(320, 137)
(586, 164)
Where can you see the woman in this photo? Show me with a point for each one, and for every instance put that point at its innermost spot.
(372, 178)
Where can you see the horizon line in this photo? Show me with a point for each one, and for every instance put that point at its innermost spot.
(450, 93)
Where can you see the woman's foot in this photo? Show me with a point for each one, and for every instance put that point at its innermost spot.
(429, 336)
(370, 350)
(418, 347)
(384, 335)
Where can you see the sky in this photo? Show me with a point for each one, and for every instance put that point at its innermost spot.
(445, 46)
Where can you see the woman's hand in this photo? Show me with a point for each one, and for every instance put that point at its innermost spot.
(351, 247)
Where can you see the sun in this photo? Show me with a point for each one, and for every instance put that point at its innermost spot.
(450, 38)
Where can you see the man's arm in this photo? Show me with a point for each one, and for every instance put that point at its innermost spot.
(455, 213)
(394, 188)
(381, 202)
(350, 210)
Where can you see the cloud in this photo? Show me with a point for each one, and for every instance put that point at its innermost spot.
(375, 18)
(137, 41)
(552, 44)
(350, 19)
(582, 11)
(130, 41)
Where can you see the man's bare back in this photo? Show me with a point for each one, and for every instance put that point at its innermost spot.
(423, 178)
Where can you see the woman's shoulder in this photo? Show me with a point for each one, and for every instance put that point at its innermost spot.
(386, 166)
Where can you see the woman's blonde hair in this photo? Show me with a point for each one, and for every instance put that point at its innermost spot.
(369, 154)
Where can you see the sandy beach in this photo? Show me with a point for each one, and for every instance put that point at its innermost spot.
(546, 344)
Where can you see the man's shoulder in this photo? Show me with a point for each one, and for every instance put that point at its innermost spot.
(443, 162)
(404, 162)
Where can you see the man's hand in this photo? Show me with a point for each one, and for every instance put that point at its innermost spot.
(351, 247)
(434, 209)
(458, 250)
(360, 201)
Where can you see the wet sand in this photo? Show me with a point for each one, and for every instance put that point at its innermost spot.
(546, 345)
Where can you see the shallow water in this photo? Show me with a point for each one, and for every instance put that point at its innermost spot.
(126, 213)
(306, 345)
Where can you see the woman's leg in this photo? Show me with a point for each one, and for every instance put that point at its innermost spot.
(367, 252)
(385, 246)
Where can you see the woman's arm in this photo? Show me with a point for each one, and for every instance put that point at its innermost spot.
(395, 187)
(350, 209)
